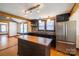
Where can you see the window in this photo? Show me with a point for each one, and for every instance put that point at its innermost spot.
(23, 28)
(46, 25)
(50, 25)
(41, 25)
(3, 28)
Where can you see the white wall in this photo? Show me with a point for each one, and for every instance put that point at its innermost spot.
(12, 29)
(75, 17)
(77, 41)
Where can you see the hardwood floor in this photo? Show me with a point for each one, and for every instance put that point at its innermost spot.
(8, 47)
(12, 51)
(54, 52)
(6, 42)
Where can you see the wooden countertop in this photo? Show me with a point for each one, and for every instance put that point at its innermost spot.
(43, 33)
(35, 39)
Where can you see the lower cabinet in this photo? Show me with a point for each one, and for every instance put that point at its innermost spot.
(26, 48)
(66, 47)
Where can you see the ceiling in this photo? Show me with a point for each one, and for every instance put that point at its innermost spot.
(12, 19)
(48, 9)
(20, 21)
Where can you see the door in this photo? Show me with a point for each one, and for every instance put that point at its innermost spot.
(23, 28)
(71, 31)
(60, 31)
(70, 47)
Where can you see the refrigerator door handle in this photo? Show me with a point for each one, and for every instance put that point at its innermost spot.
(66, 32)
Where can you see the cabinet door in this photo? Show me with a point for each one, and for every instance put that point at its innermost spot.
(60, 31)
(71, 31)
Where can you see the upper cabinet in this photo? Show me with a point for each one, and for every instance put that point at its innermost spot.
(34, 25)
(63, 17)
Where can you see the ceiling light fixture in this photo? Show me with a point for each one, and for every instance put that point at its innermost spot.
(31, 9)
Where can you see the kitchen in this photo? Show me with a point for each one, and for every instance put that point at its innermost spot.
(33, 35)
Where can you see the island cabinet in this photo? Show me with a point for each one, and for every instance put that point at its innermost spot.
(33, 46)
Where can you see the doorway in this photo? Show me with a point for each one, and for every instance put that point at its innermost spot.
(23, 28)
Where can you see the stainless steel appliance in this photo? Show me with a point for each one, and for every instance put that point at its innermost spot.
(66, 37)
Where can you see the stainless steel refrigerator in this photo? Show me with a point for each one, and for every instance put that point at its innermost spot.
(66, 37)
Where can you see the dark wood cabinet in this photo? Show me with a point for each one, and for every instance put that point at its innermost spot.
(63, 17)
(34, 25)
(28, 48)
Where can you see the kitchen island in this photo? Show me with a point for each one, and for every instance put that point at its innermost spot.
(33, 45)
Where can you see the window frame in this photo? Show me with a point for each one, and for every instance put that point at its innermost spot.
(45, 26)
(5, 26)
